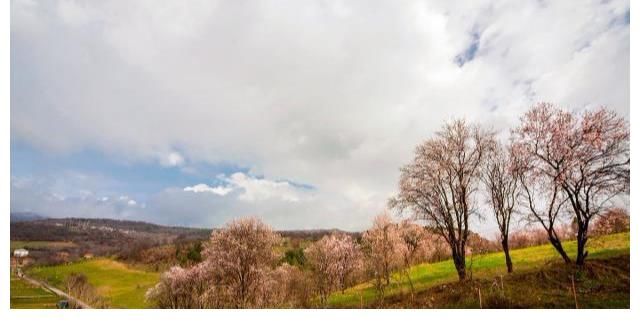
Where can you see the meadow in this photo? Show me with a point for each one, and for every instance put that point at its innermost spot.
(121, 285)
(27, 296)
(488, 266)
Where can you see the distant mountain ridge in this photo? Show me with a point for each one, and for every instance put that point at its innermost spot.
(24, 216)
(55, 229)
(31, 226)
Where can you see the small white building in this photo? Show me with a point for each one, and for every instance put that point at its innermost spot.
(21, 252)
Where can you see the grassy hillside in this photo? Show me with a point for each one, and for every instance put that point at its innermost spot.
(601, 283)
(425, 276)
(25, 295)
(123, 286)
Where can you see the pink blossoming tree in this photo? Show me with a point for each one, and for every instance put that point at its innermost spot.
(335, 260)
(582, 159)
(440, 184)
(382, 246)
(502, 187)
(241, 255)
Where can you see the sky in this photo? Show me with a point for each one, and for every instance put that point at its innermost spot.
(300, 112)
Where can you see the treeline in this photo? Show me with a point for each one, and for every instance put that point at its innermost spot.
(241, 268)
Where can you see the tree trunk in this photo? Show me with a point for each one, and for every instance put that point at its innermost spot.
(555, 242)
(459, 262)
(387, 274)
(507, 257)
(410, 282)
(582, 242)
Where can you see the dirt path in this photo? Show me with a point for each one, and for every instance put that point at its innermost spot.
(56, 291)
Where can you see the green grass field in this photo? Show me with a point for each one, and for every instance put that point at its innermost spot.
(25, 295)
(122, 286)
(42, 244)
(425, 276)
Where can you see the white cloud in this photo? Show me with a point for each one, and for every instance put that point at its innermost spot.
(173, 159)
(200, 188)
(252, 189)
(308, 94)
(257, 189)
(74, 13)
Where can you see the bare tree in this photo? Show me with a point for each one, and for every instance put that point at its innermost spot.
(502, 186)
(299, 286)
(79, 287)
(585, 156)
(438, 186)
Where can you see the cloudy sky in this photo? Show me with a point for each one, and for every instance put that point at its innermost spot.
(301, 112)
